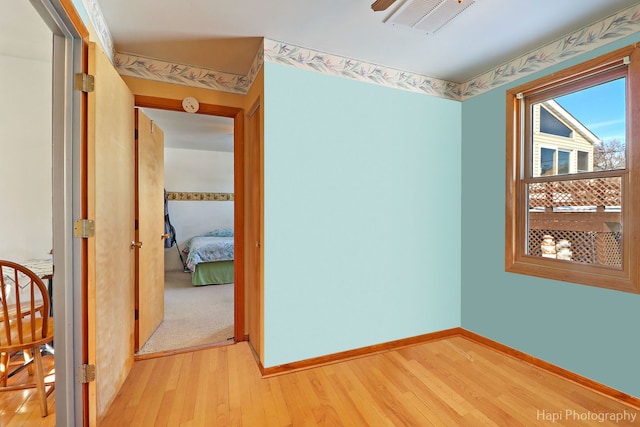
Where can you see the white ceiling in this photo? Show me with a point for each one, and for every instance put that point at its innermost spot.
(487, 34)
(193, 131)
(224, 35)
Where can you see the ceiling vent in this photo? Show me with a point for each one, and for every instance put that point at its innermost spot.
(427, 16)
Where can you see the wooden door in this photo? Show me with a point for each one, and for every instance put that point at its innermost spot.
(254, 233)
(109, 194)
(150, 228)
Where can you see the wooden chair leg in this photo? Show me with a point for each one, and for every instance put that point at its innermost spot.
(4, 369)
(39, 379)
(26, 354)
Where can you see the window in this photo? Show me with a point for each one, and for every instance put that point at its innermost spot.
(563, 161)
(551, 125)
(583, 161)
(554, 161)
(573, 174)
(547, 161)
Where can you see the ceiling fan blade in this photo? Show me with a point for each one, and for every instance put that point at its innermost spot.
(380, 5)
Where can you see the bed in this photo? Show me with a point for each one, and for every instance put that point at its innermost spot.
(210, 257)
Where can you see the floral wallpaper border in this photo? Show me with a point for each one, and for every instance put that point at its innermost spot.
(615, 27)
(195, 196)
(612, 28)
(97, 20)
(182, 74)
(309, 59)
(168, 72)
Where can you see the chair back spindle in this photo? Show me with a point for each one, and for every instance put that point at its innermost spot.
(24, 323)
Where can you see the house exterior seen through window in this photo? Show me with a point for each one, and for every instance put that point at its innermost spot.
(572, 173)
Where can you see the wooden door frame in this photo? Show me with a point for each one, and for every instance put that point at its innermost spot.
(237, 114)
(70, 45)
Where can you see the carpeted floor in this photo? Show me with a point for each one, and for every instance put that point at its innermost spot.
(194, 315)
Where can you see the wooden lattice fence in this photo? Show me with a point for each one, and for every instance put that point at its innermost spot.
(572, 204)
(575, 193)
(588, 247)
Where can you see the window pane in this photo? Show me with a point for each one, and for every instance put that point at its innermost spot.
(550, 124)
(577, 220)
(590, 122)
(547, 157)
(583, 161)
(563, 161)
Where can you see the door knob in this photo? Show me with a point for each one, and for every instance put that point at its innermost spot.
(165, 236)
(135, 244)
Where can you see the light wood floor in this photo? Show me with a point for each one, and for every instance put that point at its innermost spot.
(22, 408)
(451, 382)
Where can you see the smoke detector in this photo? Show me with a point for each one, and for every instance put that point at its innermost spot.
(427, 16)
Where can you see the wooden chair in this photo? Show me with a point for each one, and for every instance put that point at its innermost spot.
(25, 325)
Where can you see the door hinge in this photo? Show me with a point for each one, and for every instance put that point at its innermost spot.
(87, 373)
(85, 82)
(84, 228)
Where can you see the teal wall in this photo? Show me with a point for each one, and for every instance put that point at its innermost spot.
(384, 219)
(587, 330)
(362, 214)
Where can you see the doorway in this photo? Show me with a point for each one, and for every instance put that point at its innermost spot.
(42, 42)
(200, 170)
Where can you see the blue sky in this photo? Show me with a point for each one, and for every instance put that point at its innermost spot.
(600, 108)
